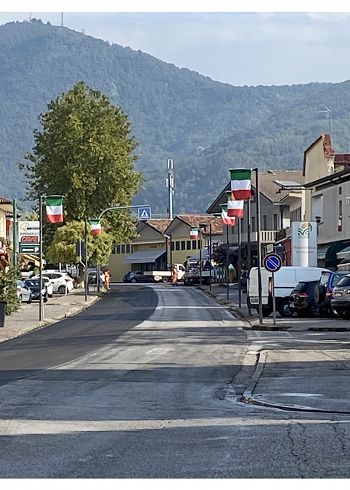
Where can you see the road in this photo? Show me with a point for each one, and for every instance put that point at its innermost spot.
(146, 384)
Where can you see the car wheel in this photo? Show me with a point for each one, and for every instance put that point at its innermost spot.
(133, 279)
(345, 315)
(29, 300)
(285, 309)
(62, 289)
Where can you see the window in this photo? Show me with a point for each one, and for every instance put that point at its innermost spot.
(188, 243)
(275, 222)
(177, 245)
(340, 209)
(340, 191)
(265, 222)
(183, 245)
(118, 249)
(199, 244)
(172, 246)
(295, 215)
(253, 223)
(194, 244)
(123, 249)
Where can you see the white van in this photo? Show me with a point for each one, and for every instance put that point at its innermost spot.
(285, 281)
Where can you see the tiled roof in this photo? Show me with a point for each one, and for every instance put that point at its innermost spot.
(3, 200)
(342, 159)
(197, 219)
(159, 224)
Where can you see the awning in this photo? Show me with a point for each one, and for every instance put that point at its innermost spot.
(344, 254)
(32, 258)
(144, 256)
(321, 251)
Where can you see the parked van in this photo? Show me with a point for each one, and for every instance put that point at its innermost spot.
(285, 281)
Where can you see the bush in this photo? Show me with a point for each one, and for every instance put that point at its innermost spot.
(8, 290)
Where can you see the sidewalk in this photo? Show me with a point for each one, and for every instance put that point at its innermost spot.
(57, 308)
(308, 380)
(251, 319)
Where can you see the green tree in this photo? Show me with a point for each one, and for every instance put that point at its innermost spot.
(63, 246)
(85, 151)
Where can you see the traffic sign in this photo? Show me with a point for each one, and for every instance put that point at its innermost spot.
(28, 249)
(144, 212)
(272, 262)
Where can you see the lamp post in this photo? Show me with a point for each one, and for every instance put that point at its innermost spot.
(201, 228)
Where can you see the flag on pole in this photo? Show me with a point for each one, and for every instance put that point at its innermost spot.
(95, 227)
(54, 209)
(225, 218)
(235, 208)
(194, 233)
(241, 183)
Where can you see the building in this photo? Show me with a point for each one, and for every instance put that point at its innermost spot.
(163, 242)
(274, 215)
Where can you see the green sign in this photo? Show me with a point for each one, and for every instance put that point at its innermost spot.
(28, 249)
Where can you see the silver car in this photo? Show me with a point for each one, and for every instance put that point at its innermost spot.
(341, 298)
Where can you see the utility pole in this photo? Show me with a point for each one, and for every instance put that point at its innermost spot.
(14, 233)
(170, 184)
(41, 303)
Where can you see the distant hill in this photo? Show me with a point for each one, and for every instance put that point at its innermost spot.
(205, 126)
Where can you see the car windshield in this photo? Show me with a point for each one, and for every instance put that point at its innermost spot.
(337, 278)
(32, 282)
(345, 281)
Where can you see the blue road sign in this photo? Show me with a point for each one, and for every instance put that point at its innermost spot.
(272, 262)
(144, 212)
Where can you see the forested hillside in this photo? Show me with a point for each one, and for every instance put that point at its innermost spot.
(205, 126)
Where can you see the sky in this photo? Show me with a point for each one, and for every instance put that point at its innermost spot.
(241, 48)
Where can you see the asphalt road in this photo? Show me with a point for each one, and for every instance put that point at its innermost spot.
(144, 384)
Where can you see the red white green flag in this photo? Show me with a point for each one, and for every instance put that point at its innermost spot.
(225, 218)
(235, 208)
(241, 183)
(95, 227)
(194, 233)
(54, 209)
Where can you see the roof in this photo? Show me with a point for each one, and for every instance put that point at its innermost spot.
(159, 225)
(205, 219)
(267, 185)
(144, 256)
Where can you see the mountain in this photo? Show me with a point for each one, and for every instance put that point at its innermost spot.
(205, 126)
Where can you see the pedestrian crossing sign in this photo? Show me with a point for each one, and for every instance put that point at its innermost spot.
(144, 212)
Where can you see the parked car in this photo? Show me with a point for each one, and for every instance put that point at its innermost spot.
(137, 276)
(340, 301)
(36, 290)
(24, 294)
(61, 282)
(303, 302)
(48, 284)
(324, 291)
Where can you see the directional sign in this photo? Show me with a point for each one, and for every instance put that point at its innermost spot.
(28, 249)
(144, 212)
(272, 262)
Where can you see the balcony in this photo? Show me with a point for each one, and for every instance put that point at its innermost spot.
(266, 236)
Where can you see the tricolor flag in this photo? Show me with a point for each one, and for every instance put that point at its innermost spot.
(241, 180)
(225, 218)
(54, 209)
(95, 227)
(194, 233)
(235, 208)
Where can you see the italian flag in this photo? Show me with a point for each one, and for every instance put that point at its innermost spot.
(194, 233)
(241, 187)
(235, 208)
(54, 209)
(225, 218)
(95, 227)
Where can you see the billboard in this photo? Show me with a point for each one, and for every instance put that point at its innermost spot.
(304, 243)
(28, 236)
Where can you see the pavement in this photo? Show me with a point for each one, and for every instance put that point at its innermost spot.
(314, 377)
(26, 319)
(309, 379)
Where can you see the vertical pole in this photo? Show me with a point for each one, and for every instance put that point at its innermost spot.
(227, 261)
(249, 246)
(239, 266)
(257, 192)
(273, 298)
(171, 253)
(210, 239)
(86, 263)
(98, 277)
(14, 233)
(41, 303)
(170, 184)
(200, 256)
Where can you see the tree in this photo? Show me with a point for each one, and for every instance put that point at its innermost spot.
(85, 151)
(63, 246)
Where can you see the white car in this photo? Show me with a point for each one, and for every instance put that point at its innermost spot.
(61, 282)
(24, 294)
(48, 284)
